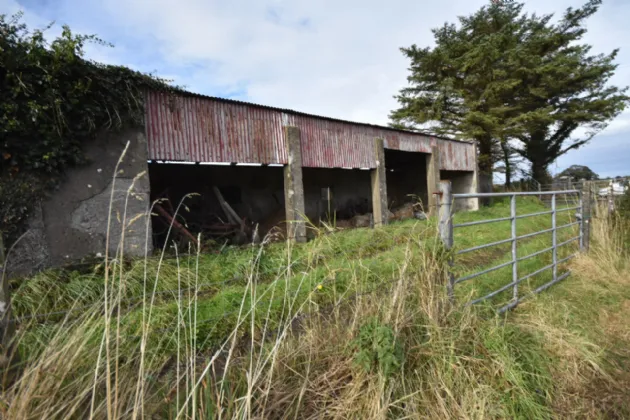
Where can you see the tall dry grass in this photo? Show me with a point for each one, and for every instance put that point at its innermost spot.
(583, 322)
(426, 358)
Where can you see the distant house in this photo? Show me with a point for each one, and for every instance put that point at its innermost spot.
(618, 188)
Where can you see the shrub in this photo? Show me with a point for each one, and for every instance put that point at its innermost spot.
(52, 101)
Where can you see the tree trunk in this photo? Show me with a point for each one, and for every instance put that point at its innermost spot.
(485, 169)
(539, 172)
(508, 167)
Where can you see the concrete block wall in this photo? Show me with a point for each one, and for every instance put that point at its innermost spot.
(73, 222)
(462, 182)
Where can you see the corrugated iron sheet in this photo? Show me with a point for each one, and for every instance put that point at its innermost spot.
(334, 144)
(407, 142)
(456, 156)
(199, 129)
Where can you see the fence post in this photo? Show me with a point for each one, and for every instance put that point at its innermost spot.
(611, 199)
(446, 222)
(514, 258)
(585, 211)
(446, 228)
(554, 239)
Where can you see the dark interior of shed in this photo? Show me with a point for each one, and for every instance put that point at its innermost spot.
(335, 194)
(406, 174)
(254, 193)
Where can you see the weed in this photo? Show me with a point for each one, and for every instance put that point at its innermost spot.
(377, 348)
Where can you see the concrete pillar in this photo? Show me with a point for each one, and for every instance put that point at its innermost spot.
(433, 179)
(294, 187)
(379, 186)
(587, 203)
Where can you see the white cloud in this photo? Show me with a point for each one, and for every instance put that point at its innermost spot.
(618, 125)
(344, 62)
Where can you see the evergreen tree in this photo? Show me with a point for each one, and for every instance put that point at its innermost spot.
(562, 89)
(578, 172)
(503, 75)
(509, 162)
(459, 87)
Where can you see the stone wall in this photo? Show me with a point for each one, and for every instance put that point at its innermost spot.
(73, 222)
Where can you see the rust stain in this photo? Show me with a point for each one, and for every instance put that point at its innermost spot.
(202, 129)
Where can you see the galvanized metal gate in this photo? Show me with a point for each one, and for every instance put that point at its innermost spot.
(447, 226)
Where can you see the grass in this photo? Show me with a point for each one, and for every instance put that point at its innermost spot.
(225, 272)
(279, 339)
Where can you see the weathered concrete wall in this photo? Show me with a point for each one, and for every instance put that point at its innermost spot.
(378, 178)
(31, 253)
(76, 216)
(462, 182)
(294, 187)
(73, 222)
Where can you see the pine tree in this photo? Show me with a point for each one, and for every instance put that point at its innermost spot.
(459, 87)
(504, 76)
(509, 162)
(563, 88)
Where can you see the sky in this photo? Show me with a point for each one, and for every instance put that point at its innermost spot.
(337, 58)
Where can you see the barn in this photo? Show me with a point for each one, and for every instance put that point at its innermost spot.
(269, 165)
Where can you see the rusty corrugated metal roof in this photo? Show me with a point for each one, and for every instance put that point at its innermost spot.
(199, 130)
(333, 144)
(191, 127)
(291, 111)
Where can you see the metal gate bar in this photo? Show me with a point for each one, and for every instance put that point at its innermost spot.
(447, 226)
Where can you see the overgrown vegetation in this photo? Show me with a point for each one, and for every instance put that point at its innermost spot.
(53, 100)
(341, 263)
(624, 205)
(353, 324)
(377, 349)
